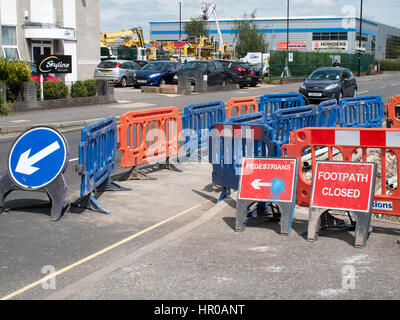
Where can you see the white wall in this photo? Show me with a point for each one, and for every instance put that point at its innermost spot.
(69, 13)
(8, 12)
(42, 11)
(70, 49)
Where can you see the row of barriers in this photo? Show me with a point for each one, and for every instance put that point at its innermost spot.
(145, 136)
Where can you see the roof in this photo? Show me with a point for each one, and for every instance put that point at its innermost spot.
(274, 19)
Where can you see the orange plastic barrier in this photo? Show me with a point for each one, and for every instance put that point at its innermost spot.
(148, 135)
(347, 141)
(239, 104)
(393, 120)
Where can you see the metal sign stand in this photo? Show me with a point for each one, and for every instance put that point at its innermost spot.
(361, 227)
(285, 213)
(286, 209)
(40, 170)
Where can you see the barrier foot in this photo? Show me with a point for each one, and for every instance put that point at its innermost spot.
(111, 185)
(89, 202)
(134, 174)
(224, 193)
(286, 217)
(169, 166)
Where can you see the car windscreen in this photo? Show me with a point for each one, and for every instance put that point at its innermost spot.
(195, 66)
(107, 64)
(155, 66)
(325, 75)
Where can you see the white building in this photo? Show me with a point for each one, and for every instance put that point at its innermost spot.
(40, 27)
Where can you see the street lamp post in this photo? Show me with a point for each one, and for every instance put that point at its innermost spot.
(360, 42)
(180, 30)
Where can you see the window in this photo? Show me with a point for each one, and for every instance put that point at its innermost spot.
(9, 38)
(317, 36)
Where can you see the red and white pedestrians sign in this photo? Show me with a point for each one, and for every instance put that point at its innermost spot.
(268, 179)
(343, 185)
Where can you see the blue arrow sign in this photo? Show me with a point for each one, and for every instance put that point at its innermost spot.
(37, 157)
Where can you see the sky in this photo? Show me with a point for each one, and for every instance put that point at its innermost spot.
(126, 14)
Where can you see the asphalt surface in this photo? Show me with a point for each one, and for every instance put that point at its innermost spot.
(195, 255)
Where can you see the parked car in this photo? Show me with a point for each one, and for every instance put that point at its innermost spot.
(156, 73)
(236, 72)
(142, 63)
(256, 75)
(120, 72)
(329, 83)
(210, 68)
(35, 75)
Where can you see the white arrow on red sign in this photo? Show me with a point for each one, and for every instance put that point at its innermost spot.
(257, 184)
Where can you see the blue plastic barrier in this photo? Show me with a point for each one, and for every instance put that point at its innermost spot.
(97, 161)
(271, 103)
(361, 112)
(289, 120)
(328, 114)
(254, 118)
(197, 120)
(229, 143)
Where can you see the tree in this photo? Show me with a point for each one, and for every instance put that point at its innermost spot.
(197, 27)
(247, 37)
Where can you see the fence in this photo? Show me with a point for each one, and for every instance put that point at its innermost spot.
(149, 135)
(97, 161)
(393, 112)
(197, 120)
(350, 142)
(361, 112)
(270, 103)
(304, 63)
(244, 105)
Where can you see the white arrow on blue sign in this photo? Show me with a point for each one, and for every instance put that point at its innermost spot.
(37, 157)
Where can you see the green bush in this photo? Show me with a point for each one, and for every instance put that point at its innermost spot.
(4, 107)
(390, 65)
(78, 89)
(54, 90)
(14, 73)
(91, 86)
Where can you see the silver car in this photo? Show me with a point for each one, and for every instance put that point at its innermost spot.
(120, 72)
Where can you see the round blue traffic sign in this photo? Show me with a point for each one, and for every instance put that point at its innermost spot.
(37, 157)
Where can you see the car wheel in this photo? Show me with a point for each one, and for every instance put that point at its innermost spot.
(136, 86)
(123, 82)
(162, 81)
(223, 83)
(355, 93)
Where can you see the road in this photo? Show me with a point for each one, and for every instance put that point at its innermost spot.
(28, 241)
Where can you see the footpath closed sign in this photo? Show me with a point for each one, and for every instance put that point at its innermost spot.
(268, 179)
(343, 186)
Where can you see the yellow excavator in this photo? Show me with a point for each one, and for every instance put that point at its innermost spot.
(124, 45)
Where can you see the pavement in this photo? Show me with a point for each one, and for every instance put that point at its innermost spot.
(167, 239)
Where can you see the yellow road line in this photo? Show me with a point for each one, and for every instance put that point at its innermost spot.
(98, 253)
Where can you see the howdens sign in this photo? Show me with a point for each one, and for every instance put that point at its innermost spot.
(54, 64)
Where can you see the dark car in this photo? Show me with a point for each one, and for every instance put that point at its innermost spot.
(142, 63)
(329, 83)
(210, 68)
(156, 73)
(256, 76)
(236, 72)
(35, 75)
